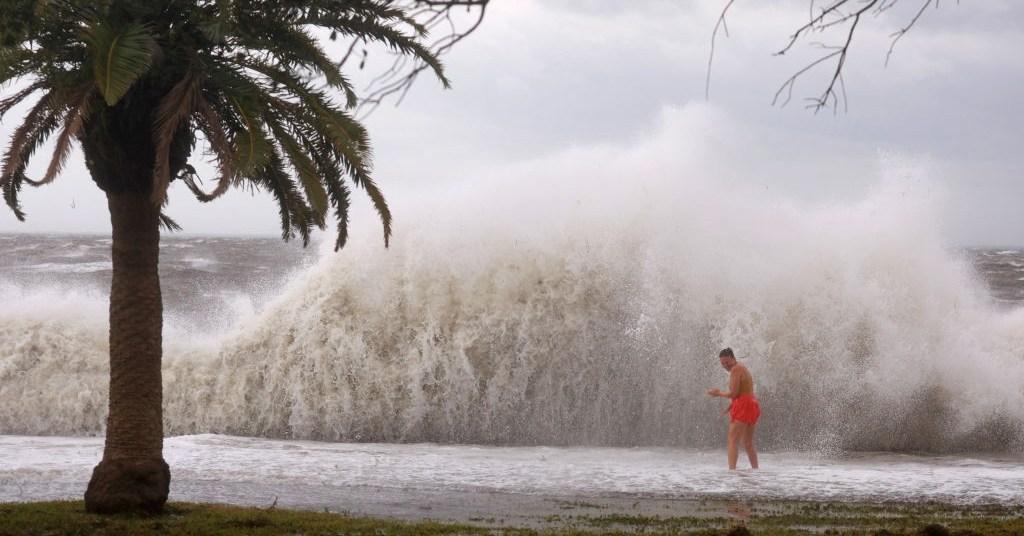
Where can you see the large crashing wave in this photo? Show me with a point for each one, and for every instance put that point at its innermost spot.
(582, 300)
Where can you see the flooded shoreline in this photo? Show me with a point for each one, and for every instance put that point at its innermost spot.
(520, 485)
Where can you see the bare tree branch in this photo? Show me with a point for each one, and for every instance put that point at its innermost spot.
(791, 81)
(711, 55)
(822, 101)
(821, 20)
(814, 24)
(399, 77)
(903, 31)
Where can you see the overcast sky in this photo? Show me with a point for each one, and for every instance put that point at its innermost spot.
(544, 77)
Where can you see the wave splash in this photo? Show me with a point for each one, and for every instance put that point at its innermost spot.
(586, 310)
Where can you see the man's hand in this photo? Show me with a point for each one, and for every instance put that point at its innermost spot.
(714, 392)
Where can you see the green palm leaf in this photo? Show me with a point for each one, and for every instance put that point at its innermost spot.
(305, 169)
(14, 63)
(119, 57)
(252, 149)
(252, 81)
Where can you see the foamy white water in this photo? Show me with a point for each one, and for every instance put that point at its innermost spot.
(398, 479)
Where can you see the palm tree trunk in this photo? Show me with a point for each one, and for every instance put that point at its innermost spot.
(133, 475)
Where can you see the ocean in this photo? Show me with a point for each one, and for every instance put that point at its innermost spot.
(268, 339)
(506, 369)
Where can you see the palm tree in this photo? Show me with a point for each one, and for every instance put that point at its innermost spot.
(139, 84)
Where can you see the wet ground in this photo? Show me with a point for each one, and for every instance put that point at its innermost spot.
(523, 486)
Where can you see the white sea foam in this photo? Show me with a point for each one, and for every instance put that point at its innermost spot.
(317, 475)
(201, 263)
(68, 268)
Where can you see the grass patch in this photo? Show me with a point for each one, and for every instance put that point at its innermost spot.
(783, 518)
(764, 519)
(70, 518)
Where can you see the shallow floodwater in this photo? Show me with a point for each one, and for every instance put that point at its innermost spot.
(465, 482)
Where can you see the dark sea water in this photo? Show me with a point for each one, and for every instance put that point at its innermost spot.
(205, 280)
(1003, 271)
(213, 279)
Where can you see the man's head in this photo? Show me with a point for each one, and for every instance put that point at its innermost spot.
(727, 358)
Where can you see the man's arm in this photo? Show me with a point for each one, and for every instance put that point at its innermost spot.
(734, 385)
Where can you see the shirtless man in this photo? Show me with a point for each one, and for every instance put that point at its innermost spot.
(744, 409)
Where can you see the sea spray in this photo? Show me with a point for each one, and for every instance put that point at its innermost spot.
(581, 299)
(53, 362)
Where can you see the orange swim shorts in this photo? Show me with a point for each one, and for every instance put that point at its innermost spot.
(745, 409)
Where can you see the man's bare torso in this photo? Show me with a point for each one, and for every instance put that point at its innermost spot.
(740, 376)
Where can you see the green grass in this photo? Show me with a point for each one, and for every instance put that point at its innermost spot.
(70, 518)
(764, 519)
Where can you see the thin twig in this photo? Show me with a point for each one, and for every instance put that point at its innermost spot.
(400, 76)
(903, 31)
(821, 20)
(812, 24)
(711, 55)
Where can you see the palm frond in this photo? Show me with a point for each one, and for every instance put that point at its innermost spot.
(252, 148)
(119, 57)
(73, 121)
(381, 10)
(39, 123)
(371, 30)
(217, 28)
(348, 140)
(380, 205)
(15, 62)
(329, 169)
(168, 224)
(296, 49)
(13, 100)
(296, 216)
(340, 199)
(319, 149)
(305, 169)
(23, 136)
(11, 188)
(174, 109)
(213, 128)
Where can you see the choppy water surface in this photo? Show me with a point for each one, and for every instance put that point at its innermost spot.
(220, 277)
(394, 479)
(1003, 271)
(209, 281)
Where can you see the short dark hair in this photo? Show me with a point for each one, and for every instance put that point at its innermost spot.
(727, 352)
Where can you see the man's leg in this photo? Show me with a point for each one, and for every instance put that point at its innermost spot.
(734, 439)
(748, 444)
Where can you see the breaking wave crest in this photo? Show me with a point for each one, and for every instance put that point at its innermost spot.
(582, 305)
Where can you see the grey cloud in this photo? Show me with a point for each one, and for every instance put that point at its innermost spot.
(542, 76)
